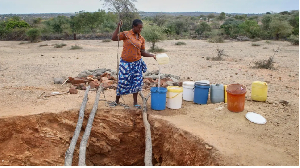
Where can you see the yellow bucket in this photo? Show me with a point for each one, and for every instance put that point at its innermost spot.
(174, 97)
(259, 91)
(225, 93)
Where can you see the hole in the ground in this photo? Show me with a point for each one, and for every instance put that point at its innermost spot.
(117, 138)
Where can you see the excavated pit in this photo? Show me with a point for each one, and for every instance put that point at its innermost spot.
(117, 138)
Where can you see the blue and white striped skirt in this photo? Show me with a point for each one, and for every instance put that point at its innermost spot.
(130, 77)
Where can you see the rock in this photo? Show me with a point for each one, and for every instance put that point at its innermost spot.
(84, 74)
(174, 79)
(242, 38)
(156, 72)
(170, 83)
(208, 147)
(154, 77)
(81, 86)
(94, 84)
(73, 91)
(107, 83)
(58, 80)
(99, 72)
(283, 102)
(76, 80)
(104, 79)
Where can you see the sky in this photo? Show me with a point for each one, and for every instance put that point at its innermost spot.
(227, 6)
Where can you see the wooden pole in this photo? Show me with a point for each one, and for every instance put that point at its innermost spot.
(70, 151)
(148, 141)
(88, 129)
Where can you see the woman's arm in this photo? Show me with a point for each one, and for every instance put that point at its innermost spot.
(144, 54)
(115, 34)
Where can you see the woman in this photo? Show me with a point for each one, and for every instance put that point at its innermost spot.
(131, 66)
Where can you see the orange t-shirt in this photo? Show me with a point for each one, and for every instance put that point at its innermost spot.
(132, 46)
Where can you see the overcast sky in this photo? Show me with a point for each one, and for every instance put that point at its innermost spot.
(227, 6)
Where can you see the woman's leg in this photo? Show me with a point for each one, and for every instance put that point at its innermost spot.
(117, 99)
(135, 98)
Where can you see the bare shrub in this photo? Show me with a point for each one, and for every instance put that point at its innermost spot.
(265, 64)
(180, 43)
(59, 45)
(76, 47)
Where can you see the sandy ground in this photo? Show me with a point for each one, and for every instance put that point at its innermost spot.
(27, 70)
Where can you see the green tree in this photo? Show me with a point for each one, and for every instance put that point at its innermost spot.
(58, 24)
(280, 28)
(125, 9)
(153, 34)
(160, 19)
(34, 34)
(210, 16)
(12, 24)
(250, 28)
(222, 16)
(203, 27)
(231, 27)
(294, 21)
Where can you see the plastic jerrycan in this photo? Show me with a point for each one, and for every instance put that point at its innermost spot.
(162, 58)
(259, 91)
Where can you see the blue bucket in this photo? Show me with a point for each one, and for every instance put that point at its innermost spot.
(158, 98)
(201, 93)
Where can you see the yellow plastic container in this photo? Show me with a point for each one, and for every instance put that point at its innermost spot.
(259, 91)
(162, 58)
(225, 93)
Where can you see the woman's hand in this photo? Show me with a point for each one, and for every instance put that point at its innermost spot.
(154, 56)
(120, 23)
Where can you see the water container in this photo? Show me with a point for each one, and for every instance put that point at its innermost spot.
(158, 98)
(201, 92)
(188, 90)
(174, 97)
(162, 58)
(225, 93)
(217, 93)
(259, 91)
(236, 97)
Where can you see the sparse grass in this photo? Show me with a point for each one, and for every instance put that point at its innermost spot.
(265, 48)
(294, 40)
(265, 64)
(23, 43)
(218, 57)
(43, 45)
(76, 47)
(180, 43)
(255, 44)
(256, 39)
(106, 40)
(216, 39)
(59, 45)
(156, 50)
(268, 42)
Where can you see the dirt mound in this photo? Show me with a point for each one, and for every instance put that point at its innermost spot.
(117, 138)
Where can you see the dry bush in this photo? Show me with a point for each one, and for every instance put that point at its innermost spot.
(76, 47)
(265, 64)
(106, 40)
(180, 43)
(59, 45)
(255, 44)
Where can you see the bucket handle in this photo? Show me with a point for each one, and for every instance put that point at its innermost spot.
(173, 96)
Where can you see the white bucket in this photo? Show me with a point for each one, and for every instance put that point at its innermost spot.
(174, 97)
(188, 90)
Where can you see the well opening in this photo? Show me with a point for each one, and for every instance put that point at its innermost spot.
(117, 138)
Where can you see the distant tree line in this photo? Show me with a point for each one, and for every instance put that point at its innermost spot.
(101, 24)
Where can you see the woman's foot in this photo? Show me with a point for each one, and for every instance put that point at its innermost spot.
(138, 106)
